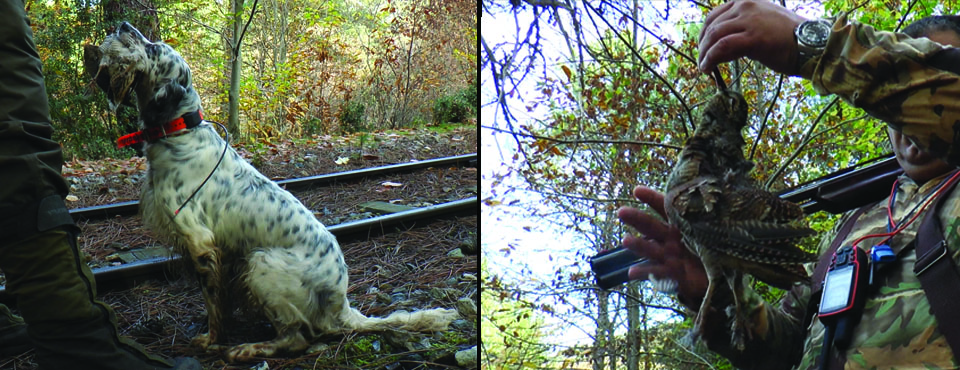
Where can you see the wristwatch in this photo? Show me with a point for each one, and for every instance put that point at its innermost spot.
(811, 39)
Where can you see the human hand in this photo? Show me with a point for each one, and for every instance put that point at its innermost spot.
(757, 29)
(662, 245)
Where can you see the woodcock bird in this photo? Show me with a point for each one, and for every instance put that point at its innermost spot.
(734, 226)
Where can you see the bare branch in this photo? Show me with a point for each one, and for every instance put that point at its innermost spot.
(702, 5)
(548, 3)
(650, 69)
(589, 199)
(499, 88)
(904, 16)
(662, 40)
(196, 21)
(691, 352)
(236, 49)
(763, 126)
(841, 124)
(584, 141)
(803, 144)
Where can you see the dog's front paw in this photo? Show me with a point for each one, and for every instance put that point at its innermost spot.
(203, 341)
(248, 352)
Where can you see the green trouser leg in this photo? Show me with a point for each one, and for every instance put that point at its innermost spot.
(54, 289)
(13, 334)
(30, 161)
(55, 292)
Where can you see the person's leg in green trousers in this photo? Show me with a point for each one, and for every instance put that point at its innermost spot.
(54, 289)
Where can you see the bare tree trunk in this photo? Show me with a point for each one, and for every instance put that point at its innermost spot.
(634, 325)
(613, 347)
(644, 345)
(603, 326)
(233, 120)
(634, 330)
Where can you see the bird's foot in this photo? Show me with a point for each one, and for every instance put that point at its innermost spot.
(739, 333)
(737, 340)
(695, 335)
(689, 340)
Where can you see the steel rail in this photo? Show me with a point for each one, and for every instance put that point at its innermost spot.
(360, 229)
(131, 207)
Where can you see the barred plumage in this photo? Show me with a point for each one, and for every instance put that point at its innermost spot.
(725, 219)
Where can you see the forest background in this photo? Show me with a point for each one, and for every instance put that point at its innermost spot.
(270, 68)
(583, 100)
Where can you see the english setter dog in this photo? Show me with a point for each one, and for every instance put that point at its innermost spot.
(292, 267)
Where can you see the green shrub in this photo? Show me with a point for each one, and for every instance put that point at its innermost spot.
(352, 117)
(456, 107)
(314, 126)
(472, 92)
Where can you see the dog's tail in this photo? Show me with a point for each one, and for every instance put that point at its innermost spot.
(431, 320)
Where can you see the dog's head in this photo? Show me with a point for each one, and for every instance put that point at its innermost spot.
(155, 73)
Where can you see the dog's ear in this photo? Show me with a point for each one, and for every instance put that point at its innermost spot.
(164, 104)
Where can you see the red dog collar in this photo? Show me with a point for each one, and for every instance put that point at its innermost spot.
(186, 121)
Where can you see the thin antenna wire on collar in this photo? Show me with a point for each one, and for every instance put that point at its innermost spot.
(226, 145)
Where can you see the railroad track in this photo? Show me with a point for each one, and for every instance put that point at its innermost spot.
(124, 275)
(130, 207)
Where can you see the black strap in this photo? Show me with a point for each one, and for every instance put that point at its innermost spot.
(938, 275)
(22, 221)
(820, 272)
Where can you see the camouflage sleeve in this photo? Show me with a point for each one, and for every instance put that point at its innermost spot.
(912, 84)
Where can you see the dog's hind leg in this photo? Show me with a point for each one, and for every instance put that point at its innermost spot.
(206, 260)
(275, 282)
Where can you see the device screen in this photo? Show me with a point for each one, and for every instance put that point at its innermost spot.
(836, 291)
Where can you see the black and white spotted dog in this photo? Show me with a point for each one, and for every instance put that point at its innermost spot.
(292, 266)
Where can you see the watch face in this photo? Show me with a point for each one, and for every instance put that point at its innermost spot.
(814, 33)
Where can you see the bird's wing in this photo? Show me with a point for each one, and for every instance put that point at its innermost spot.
(754, 225)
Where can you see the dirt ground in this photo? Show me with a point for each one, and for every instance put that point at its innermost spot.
(413, 269)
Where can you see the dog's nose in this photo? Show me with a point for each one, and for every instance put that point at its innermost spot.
(125, 27)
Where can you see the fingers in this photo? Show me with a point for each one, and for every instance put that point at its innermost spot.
(708, 32)
(733, 44)
(646, 248)
(722, 11)
(651, 197)
(645, 223)
(655, 254)
(716, 45)
(756, 29)
(714, 14)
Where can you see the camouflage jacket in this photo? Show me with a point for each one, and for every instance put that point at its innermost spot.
(911, 84)
(914, 85)
(897, 329)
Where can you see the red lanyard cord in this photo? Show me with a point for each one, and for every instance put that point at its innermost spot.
(927, 202)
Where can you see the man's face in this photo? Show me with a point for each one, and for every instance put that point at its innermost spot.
(919, 165)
